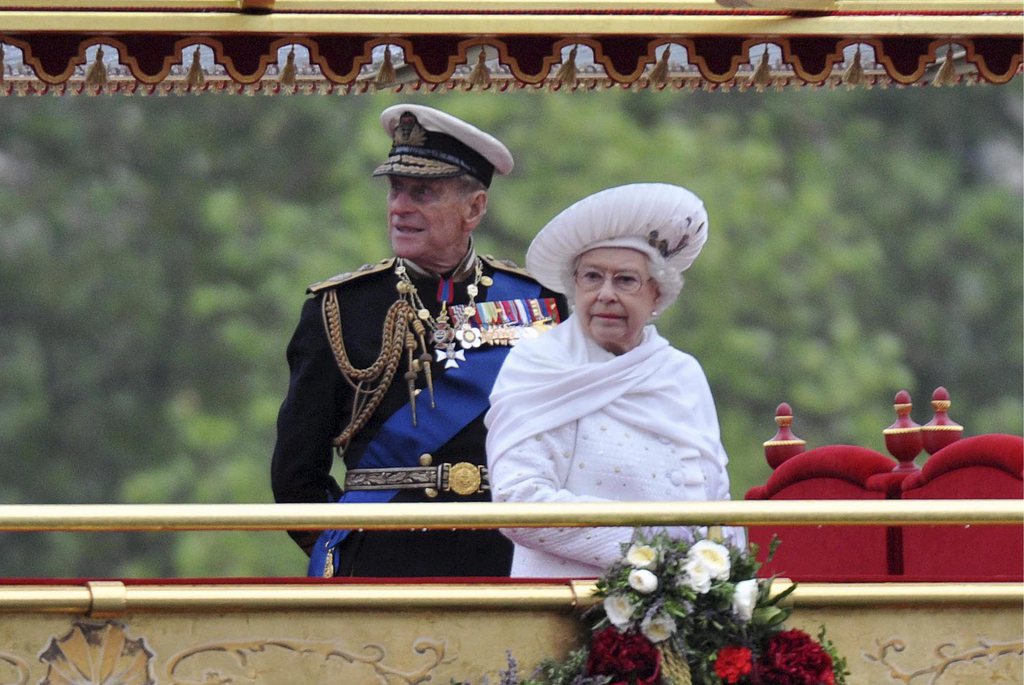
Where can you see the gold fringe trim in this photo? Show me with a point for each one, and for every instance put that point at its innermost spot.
(386, 75)
(762, 76)
(567, 76)
(97, 75)
(481, 75)
(287, 77)
(947, 75)
(854, 75)
(195, 78)
(659, 75)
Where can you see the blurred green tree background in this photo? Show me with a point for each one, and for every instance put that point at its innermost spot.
(154, 254)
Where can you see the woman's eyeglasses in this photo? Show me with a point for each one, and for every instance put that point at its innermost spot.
(623, 282)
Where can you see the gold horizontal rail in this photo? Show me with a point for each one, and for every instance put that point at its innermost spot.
(464, 515)
(513, 6)
(902, 594)
(569, 23)
(114, 597)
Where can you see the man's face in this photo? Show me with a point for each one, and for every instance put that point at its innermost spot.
(430, 219)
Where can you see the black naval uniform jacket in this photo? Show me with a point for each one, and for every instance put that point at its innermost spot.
(318, 406)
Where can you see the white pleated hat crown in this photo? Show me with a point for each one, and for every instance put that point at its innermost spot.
(429, 143)
(666, 222)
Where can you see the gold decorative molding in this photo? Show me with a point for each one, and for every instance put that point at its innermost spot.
(97, 654)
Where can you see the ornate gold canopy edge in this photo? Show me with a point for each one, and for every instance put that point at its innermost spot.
(273, 47)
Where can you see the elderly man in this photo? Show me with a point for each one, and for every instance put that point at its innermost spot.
(391, 365)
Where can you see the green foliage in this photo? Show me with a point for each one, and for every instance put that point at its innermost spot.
(154, 254)
(839, 665)
(565, 672)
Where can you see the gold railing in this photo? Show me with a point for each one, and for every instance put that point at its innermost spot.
(440, 515)
(114, 598)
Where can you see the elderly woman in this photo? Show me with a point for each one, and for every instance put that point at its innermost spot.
(602, 408)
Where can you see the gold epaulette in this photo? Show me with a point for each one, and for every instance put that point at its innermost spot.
(506, 265)
(364, 270)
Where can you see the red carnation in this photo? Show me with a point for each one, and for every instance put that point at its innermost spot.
(733, 663)
(628, 657)
(792, 657)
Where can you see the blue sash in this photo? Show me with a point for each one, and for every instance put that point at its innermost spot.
(461, 394)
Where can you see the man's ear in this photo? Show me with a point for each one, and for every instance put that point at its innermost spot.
(474, 210)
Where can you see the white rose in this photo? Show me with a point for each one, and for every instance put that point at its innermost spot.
(642, 556)
(643, 581)
(658, 628)
(696, 576)
(713, 556)
(745, 599)
(619, 610)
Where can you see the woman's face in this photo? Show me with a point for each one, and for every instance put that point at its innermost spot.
(615, 296)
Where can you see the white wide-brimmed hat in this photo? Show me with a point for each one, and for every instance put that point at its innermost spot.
(427, 142)
(666, 222)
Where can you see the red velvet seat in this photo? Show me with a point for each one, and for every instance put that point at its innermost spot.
(979, 467)
(819, 552)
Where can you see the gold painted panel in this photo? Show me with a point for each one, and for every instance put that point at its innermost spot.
(920, 645)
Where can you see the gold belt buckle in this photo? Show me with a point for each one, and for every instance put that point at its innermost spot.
(462, 478)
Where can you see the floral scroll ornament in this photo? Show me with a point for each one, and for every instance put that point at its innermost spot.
(987, 662)
(9, 662)
(689, 611)
(296, 662)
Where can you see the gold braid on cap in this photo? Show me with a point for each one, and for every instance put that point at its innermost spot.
(372, 383)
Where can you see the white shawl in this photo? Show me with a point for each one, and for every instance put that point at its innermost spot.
(564, 375)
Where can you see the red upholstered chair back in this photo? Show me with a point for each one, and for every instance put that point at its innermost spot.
(979, 467)
(818, 552)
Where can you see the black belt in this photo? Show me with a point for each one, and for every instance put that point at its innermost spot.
(461, 478)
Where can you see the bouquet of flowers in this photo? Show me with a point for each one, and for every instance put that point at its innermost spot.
(689, 612)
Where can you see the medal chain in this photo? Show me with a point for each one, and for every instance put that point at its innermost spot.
(442, 333)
